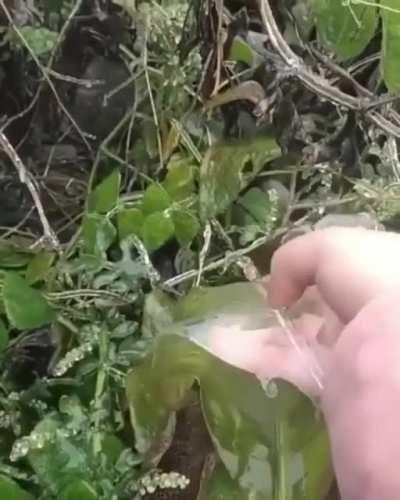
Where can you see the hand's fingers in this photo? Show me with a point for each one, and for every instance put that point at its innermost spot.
(293, 268)
(330, 331)
(349, 267)
(311, 302)
(268, 354)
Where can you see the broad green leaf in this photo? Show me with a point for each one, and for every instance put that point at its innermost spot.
(25, 306)
(98, 234)
(4, 337)
(158, 228)
(255, 436)
(78, 489)
(130, 222)
(158, 313)
(346, 29)
(62, 460)
(155, 199)
(390, 56)
(186, 226)
(104, 197)
(153, 396)
(10, 490)
(179, 182)
(242, 52)
(40, 40)
(39, 267)
(222, 173)
(272, 446)
(236, 299)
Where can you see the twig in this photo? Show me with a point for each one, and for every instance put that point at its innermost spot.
(84, 82)
(231, 257)
(26, 178)
(203, 252)
(314, 82)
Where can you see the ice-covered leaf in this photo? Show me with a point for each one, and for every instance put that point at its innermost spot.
(271, 444)
(228, 168)
(62, 460)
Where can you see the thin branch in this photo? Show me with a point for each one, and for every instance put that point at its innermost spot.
(26, 178)
(231, 257)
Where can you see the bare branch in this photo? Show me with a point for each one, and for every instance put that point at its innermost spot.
(318, 84)
(25, 177)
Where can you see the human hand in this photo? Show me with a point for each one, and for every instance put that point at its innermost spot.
(357, 275)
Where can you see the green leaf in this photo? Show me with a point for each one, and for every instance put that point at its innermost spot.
(154, 395)
(345, 29)
(158, 313)
(10, 490)
(271, 446)
(40, 40)
(242, 52)
(39, 267)
(257, 211)
(186, 226)
(256, 437)
(390, 56)
(112, 447)
(61, 461)
(25, 306)
(78, 489)
(236, 299)
(158, 228)
(98, 234)
(4, 337)
(223, 176)
(155, 199)
(104, 197)
(179, 182)
(129, 222)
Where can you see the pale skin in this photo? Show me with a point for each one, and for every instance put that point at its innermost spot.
(343, 285)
